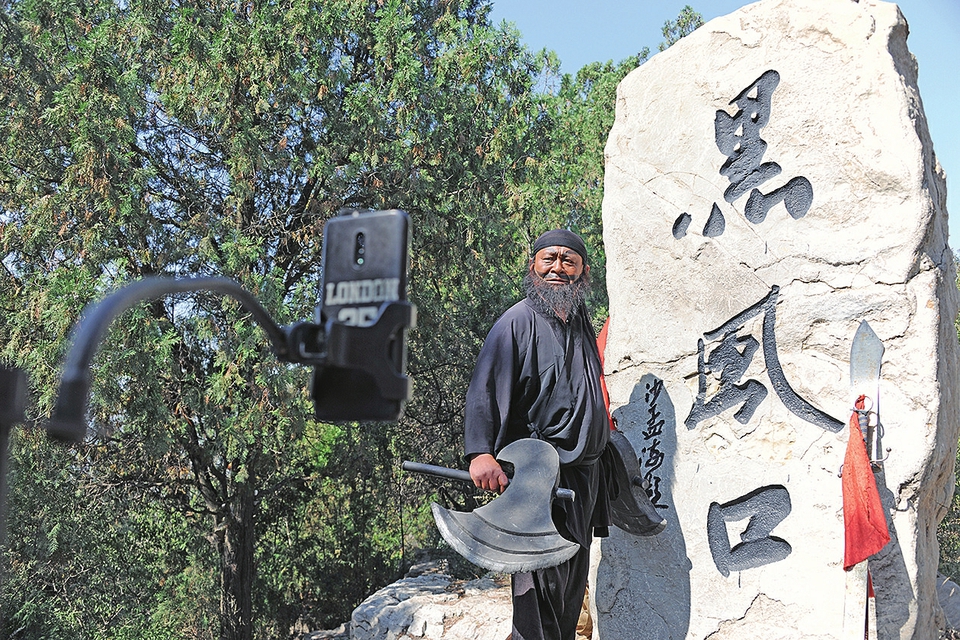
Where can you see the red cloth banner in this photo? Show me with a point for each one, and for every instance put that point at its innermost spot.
(864, 521)
(601, 345)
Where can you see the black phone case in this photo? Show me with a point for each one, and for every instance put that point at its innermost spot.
(365, 258)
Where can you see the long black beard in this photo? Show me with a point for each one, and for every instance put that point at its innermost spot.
(563, 301)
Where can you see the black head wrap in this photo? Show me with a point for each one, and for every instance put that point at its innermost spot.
(561, 238)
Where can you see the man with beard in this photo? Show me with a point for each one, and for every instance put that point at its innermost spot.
(538, 376)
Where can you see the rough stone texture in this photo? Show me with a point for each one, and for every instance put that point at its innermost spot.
(435, 606)
(340, 633)
(777, 300)
(948, 594)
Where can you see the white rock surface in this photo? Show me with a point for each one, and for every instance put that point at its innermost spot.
(948, 594)
(435, 606)
(834, 88)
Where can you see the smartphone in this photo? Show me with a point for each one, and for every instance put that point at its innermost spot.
(364, 265)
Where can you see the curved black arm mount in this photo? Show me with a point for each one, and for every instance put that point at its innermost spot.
(334, 344)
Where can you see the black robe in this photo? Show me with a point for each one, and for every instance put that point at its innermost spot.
(539, 377)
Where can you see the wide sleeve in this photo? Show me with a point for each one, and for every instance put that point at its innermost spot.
(489, 396)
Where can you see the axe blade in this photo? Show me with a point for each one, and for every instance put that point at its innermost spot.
(514, 532)
(633, 511)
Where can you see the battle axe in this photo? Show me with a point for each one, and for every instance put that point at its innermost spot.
(515, 531)
(633, 511)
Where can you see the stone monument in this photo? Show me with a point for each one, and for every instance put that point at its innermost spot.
(771, 183)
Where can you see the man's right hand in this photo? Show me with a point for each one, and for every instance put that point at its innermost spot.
(487, 473)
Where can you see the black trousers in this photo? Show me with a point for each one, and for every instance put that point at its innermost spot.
(547, 602)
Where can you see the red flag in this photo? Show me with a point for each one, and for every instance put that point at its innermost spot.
(601, 345)
(864, 521)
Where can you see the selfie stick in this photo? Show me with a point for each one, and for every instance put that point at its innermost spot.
(302, 343)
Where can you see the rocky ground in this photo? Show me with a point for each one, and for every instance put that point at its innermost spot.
(429, 604)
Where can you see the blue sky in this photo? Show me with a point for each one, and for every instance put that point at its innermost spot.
(583, 31)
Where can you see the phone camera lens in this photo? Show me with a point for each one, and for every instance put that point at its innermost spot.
(359, 249)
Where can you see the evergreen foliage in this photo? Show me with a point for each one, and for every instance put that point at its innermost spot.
(685, 24)
(188, 138)
(948, 535)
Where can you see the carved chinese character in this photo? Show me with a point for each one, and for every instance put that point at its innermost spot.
(766, 507)
(730, 360)
(738, 137)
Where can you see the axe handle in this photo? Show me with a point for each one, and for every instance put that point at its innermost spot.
(464, 476)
